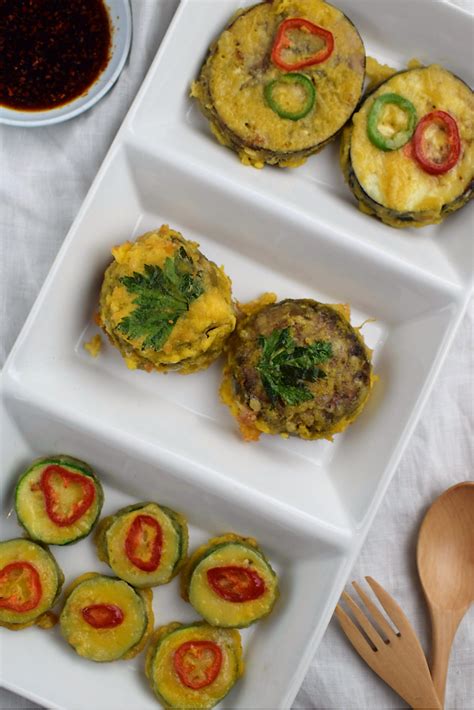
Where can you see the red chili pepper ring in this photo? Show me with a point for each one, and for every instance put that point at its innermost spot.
(421, 144)
(236, 584)
(283, 41)
(197, 663)
(103, 616)
(54, 480)
(24, 584)
(144, 542)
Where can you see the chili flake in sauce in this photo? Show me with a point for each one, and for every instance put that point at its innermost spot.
(51, 51)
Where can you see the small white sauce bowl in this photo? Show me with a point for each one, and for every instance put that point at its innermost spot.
(121, 18)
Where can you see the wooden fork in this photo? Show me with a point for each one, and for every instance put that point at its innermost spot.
(396, 657)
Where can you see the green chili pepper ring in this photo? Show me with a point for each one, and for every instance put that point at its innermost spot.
(291, 78)
(400, 138)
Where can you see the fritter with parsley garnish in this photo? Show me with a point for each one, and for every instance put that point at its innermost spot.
(164, 305)
(296, 368)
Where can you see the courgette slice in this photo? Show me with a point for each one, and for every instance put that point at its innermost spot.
(30, 583)
(58, 500)
(392, 186)
(229, 582)
(105, 619)
(193, 666)
(145, 544)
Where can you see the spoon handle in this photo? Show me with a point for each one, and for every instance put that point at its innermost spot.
(444, 627)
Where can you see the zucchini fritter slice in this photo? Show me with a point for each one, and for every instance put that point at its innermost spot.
(58, 499)
(105, 619)
(144, 544)
(230, 582)
(194, 665)
(30, 583)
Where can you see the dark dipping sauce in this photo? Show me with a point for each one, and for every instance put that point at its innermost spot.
(51, 51)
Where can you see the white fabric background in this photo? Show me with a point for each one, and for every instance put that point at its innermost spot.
(44, 176)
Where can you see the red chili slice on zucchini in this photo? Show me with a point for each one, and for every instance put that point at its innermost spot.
(236, 584)
(284, 42)
(103, 616)
(55, 482)
(197, 663)
(427, 154)
(20, 587)
(144, 543)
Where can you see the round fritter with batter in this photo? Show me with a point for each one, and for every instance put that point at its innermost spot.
(298, 368)
(164, 305)
(239, 67)
(391, 184)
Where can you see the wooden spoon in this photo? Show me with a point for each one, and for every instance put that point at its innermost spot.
(445, 558)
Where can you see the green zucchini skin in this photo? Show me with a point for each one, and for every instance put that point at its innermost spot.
(106, 644)
(163, 679)
(228, 550)
(109, 540)
(395, 218)
(51, 579)
(36, 522)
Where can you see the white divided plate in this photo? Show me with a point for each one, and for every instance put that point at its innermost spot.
(297, 233)
(121, 19)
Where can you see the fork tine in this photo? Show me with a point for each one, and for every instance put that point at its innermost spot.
(391, 607)
(353, 634)
(363, 621)
(376, 614)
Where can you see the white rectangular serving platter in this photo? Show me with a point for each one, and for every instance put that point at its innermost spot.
(150, 436)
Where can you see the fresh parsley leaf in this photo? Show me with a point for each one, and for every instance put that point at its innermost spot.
(162, 296)
(284, 366)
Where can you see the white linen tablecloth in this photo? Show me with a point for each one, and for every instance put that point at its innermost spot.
(44, 176)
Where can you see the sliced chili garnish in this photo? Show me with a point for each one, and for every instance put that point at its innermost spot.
(197, 663)
(144, 543)
(295, 79)
(20, 587)
(284, 42)
(236, 584)
(398, 139)
(103, 616)
(427, 154)
(54, 483)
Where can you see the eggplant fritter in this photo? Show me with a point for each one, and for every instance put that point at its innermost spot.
(231, 86)
(392, 185)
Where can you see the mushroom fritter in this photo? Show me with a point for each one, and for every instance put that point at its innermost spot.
(298, 368)
(282, 80)
(164, 305)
